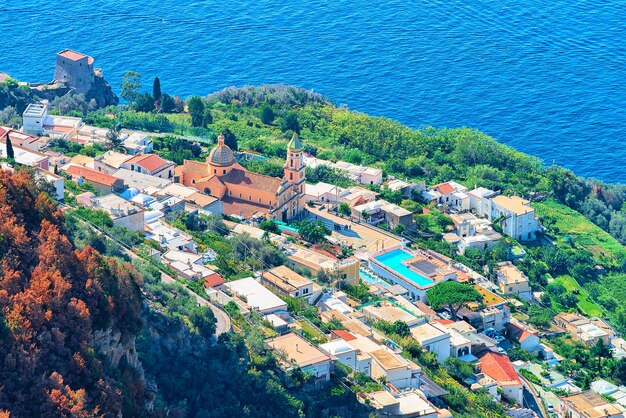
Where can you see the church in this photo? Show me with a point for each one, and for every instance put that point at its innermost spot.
(246, 194)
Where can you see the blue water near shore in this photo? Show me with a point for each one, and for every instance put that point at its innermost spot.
(545, 77)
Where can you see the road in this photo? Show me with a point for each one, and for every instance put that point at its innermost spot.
(223, 323)
(530, 402)
(222, 319)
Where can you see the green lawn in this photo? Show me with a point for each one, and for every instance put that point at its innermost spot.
(567, 222)
(585, 304)
(313, 333)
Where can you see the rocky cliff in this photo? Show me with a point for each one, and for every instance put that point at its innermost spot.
(102, 93)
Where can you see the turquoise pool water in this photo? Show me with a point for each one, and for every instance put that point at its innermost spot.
(393, 260)
(284, 227)
(372, 280)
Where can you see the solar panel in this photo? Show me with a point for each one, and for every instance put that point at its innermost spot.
(425, 266)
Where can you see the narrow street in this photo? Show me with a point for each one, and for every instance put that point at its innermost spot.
(222, 324)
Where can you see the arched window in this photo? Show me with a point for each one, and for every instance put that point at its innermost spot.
(207, 190)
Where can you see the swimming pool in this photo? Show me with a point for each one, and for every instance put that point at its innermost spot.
(393, 261)
(372, 280)
(284, 227)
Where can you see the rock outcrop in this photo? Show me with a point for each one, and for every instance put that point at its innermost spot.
(102, 93)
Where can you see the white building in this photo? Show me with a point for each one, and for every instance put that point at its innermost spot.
(123, 212)
(57, 182)
(150, 164)
(357, 173)
(479, 201)
(138, 143)
(512, 281)
(33, 118)
(301, 354)
(256, 296)
(288, 282)
(433, 339)
(321, 192)
(348, 355)
(36, 121)
(167, 236)
(451, 194)
(515, 216)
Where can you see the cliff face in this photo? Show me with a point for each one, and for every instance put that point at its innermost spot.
(102, 93)
(119, 351)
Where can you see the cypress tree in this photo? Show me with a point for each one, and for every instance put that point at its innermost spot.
(156, 89)
(10, 152)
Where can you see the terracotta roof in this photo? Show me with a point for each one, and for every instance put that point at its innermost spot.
(150, 162)
(517, 332)
(444, 188)
(243, 208)
(213, 280)
(253, 180)
(16, 136)
(191, 167)
(72, 55)
(426, 309)
(92, 175)
(499, 368)
(344, 335)
(444, 321)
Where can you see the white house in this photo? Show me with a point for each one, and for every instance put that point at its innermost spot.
(302, 354)
(167, 236)
(499, 368)
(138, 142)
(400, 372)
(348, 355)
(515, 216)
(256, 296)
(33, 118)
(288, 282)
(150, 164)
(527, 339)
(451, 194)
(56, 181)
(123, 212)
(512, 281)
(479, 200)
(322, 192)
(433, 339)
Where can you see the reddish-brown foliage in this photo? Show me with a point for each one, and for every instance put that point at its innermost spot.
(52, 299)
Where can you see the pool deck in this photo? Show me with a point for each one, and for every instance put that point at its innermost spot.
(360, 236)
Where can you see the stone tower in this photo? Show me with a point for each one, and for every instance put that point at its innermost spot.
(76, 70)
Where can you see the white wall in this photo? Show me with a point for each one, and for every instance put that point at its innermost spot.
(133, 222)
(439, 346)
(320, 370)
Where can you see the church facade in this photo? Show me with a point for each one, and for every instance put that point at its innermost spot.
(247, 194)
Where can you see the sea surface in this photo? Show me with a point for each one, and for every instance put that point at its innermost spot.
(546, 77)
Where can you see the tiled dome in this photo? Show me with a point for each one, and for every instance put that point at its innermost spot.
(221, 155)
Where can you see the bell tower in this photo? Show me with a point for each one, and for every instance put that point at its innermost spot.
(295, 168)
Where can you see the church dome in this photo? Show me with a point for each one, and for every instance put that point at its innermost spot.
(221, 155)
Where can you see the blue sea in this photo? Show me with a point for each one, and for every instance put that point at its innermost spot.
(546, 77)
